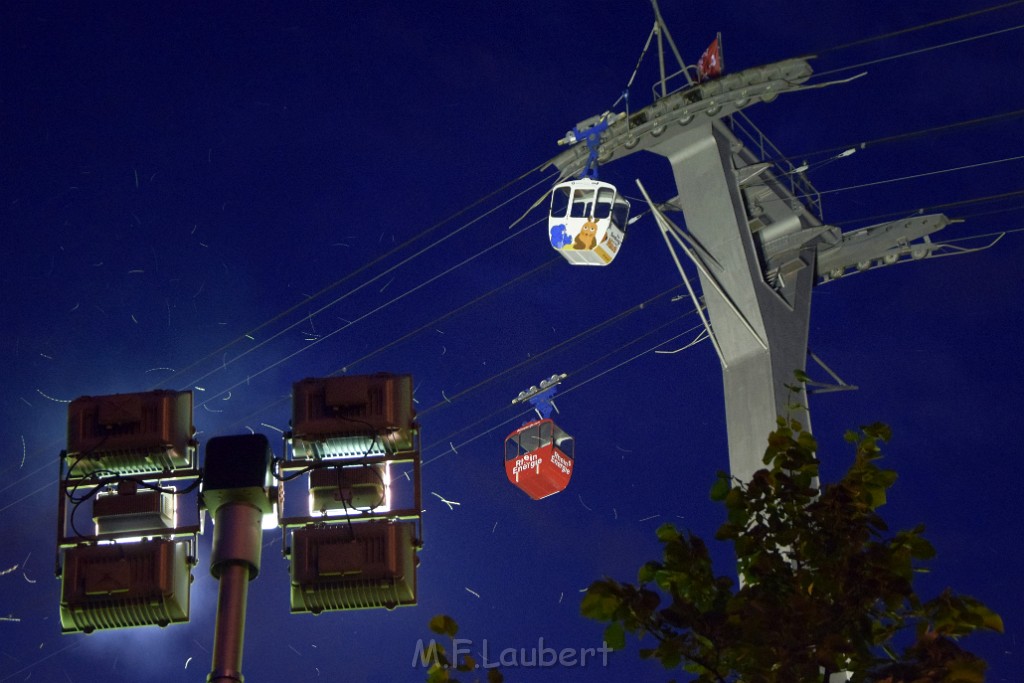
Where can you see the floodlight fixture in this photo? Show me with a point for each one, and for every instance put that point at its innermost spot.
(132, 456)
(131, 434)
(355, 441)
(352, 416)
(363, 565)
(123, 585)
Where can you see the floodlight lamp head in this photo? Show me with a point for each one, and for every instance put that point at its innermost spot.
(360, 566)
(125, 585)
(352, 416)
(131, 434)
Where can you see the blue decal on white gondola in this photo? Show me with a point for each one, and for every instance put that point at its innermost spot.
(559, 236)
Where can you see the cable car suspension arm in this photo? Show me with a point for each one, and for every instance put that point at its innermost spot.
(665, 227)
(669, 228)
(700, 337)
(816, 387)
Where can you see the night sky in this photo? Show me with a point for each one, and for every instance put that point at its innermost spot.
(231, 199)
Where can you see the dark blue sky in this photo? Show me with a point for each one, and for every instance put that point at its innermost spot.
(176, 177)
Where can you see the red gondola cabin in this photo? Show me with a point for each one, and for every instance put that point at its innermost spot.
(539, 458)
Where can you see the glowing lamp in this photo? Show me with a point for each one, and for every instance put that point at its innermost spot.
(132, 510)
(350, 490)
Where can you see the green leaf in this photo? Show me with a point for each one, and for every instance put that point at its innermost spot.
(878, 430)
(495, 676)
(444, 625)
(438, 675)
(615, 636)
(992, 621)
(805, 440)
(467, 664)
(734, 499)
(647, 572)
(720, 489)
(670, 652)
(876, 495)
(920, 549)
(965, 671)
(982, 615)
(667, 532)
(601, 601)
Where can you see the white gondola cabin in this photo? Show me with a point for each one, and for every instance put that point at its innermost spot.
(587, 221)
(539, 458)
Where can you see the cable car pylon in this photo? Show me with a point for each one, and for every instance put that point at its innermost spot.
(753, 230)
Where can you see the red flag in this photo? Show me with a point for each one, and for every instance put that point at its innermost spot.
(711, 64)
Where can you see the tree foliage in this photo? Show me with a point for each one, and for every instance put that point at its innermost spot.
(442, 669)
(825, 586)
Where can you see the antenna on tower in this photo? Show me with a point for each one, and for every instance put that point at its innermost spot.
(661, 31)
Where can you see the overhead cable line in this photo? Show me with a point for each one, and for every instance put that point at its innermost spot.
(370, 281)
(934, 208)
(919, 175)
(450, 314)
(551, 349)
(448, 439)
(30, 495)
(349, 276)
(533, 358)
(995, 118)
(409, 335)
(364, 316)
(277, 402)
(575, 372)
(994, 212)
(1008, 231)
(914, 176)
(912, 29)
(921, 50)
(178, 373)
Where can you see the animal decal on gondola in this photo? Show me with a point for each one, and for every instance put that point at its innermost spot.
(587, 237)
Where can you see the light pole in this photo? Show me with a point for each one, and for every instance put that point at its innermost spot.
(237, 490)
